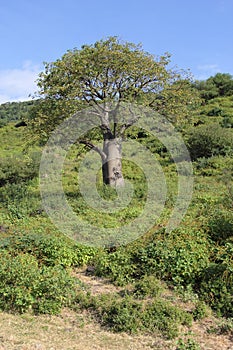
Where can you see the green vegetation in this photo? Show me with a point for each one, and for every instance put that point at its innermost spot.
(25, 286)
(189, 344)
(110, 77)
(14, 112)
(127, 314)
(38, 263)
(206, 141)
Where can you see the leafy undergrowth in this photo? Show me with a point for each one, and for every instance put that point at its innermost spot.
(163, 287)
(87, 326)
(35, 281)
(35, 277)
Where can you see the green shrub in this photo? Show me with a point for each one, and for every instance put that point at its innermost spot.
(201, 310)
(56, 288)
(17, 168)
(227, 121)
(213, 166)
(129, 315)
(3, 123)
(19, 201)
(216, 288)
(148, 286)
(162, 316)
(122, 315)
(18, 276)
(49, 250)
(189, 344)
(117, 266)
(209, 140)
(215, 112)
(179, 257)
(220, 226)
(25, 286)
(223, 326)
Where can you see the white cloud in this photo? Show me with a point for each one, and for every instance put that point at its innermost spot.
(18, 84)
(207, 70)
(208, 67)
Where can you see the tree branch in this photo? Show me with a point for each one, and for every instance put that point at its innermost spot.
(127, 125)
(95, 148)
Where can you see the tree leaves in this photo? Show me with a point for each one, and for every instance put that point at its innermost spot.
(110, 71)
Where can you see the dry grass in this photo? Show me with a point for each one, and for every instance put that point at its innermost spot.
(96, 285)
(211, 341)
(77, 331)
(69, 331)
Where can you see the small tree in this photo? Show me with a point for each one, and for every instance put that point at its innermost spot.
(100, 74)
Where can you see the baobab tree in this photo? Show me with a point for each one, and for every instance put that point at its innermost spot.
(105, 75)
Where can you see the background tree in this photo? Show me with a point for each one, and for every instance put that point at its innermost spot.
(216, 86)
(98, 75)
(15, 111)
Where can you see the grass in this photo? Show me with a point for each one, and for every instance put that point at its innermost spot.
(11, 140)
(70, 331)
(77, 330)
(21, 215)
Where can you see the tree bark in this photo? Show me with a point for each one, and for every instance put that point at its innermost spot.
(112, 165)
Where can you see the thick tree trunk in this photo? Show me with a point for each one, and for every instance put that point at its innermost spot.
(112, 166)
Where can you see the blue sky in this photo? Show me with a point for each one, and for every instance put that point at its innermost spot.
(198, 34)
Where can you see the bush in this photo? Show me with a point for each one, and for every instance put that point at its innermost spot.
(3, 123)
(25, 286)
(227, 121)
(201, 311)
(148, 286)
(216, 284)
(220, 226)
(17, 168)
(129, 315)
(122, 315)
(20, 201)
(213, 166)
(224, 326)
(178, 258)
(162, 316)
(49, 250)
(117, 266)
(56, 288)
(189, 344)
(209, 140)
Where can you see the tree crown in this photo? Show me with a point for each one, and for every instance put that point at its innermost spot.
(106, 70)
(111, 71)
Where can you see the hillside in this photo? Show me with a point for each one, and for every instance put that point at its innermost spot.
(15, 111)
(161, 291)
